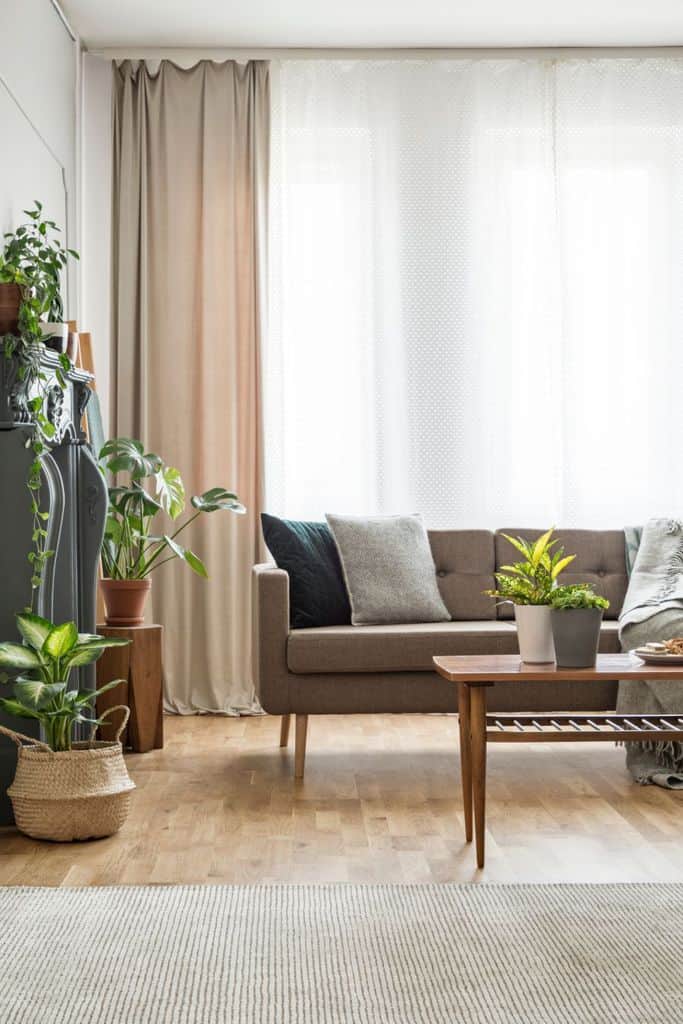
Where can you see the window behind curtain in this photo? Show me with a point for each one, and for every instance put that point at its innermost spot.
(475, 280)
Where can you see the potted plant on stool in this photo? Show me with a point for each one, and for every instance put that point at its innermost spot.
(131, 551)
(576, 616)
(62, 790)
(528, 585)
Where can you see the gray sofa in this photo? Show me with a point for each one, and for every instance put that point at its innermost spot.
(364, 669)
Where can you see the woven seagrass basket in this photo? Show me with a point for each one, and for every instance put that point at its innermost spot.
(82, 793)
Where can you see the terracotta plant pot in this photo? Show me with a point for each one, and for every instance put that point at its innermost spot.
(10, 300)
(124, 601)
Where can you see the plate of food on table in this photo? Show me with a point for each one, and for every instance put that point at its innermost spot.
(664, 652)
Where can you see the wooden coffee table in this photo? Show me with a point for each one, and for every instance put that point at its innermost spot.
(475, 672)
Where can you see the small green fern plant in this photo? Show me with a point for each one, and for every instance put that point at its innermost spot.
(577, 595)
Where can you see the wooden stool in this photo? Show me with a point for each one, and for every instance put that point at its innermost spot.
(139, 665)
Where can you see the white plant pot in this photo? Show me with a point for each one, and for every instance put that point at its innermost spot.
(535, 633)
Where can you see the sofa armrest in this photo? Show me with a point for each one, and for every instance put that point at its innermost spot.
(270, 623)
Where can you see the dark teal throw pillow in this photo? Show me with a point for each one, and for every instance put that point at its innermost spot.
(317, 592)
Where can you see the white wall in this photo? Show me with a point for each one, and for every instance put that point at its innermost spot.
(55, 126)
(96, 168)
(38, 120)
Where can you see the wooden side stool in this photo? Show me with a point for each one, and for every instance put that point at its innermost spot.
(139, 665)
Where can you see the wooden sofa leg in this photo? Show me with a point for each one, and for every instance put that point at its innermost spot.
(284, 730)
(300, 745)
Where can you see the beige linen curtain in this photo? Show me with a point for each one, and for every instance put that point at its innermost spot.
(189, 207)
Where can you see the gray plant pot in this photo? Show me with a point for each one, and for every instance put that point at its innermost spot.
(576, 632)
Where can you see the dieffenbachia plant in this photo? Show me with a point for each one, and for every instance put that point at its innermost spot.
(44, 662)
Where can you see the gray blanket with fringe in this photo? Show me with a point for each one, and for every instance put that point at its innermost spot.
(653, 610)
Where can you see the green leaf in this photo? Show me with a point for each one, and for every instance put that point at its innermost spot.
(514, 569)
(87, 696)
(86, 652)
(71, 713)
(177, 549)
(170, 491)
(519, 544)
(17, 709)
(35, 694)
(540, 547)
(103, 642)
(33, 628)
(60, 640)
(561, 565)
(217, 498)
(82, 656)
(122, 464)
(68, 701)
(195, 563)
(150, 506)
(124, 454)
(118, 444)
(113, 529)
(19, 656)
(118, 496)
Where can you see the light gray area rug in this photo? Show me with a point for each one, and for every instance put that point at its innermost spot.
(394, 954)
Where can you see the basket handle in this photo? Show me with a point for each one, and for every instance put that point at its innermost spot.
(122, 726)
(17, 738)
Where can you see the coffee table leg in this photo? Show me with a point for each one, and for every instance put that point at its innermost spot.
(465, 756)
(478, 732)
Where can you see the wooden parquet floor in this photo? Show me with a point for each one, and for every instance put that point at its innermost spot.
(380, 803)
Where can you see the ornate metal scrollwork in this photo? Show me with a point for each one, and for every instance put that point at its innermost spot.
(54, 407)
(17, 392)
(83, 394)
(92, 499)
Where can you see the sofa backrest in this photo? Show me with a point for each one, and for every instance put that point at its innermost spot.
(466, 561)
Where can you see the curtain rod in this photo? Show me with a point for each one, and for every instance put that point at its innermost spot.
(185, 54)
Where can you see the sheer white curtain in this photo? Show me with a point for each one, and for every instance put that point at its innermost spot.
(476, 281)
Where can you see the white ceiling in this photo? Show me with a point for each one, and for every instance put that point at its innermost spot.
(375, 23)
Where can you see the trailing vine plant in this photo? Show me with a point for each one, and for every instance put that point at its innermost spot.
(33, 258)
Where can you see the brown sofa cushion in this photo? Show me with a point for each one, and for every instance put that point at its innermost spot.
(398, 648)
(600, 560)
(465, 563)
(405, 648)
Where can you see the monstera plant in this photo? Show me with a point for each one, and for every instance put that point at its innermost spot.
(132, 548)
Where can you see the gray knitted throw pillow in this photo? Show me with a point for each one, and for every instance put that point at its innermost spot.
(388, 569)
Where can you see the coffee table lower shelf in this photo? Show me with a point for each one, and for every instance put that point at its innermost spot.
(577, 728)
